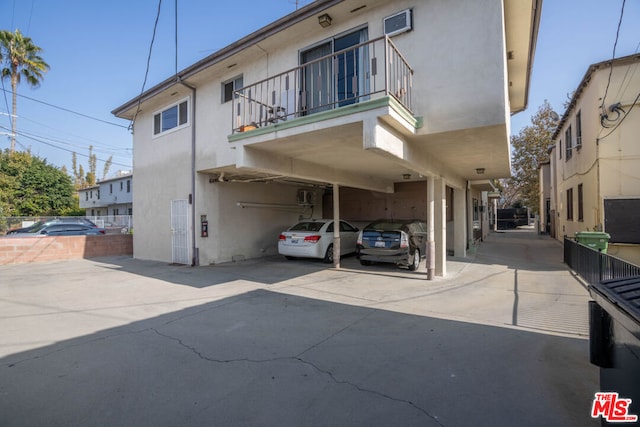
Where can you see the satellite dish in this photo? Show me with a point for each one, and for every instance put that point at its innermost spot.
(555, 116)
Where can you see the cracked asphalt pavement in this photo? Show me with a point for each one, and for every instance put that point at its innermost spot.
(501, 341)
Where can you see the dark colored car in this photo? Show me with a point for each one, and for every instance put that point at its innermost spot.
(401, 242)
(62, 229)
(40, 224)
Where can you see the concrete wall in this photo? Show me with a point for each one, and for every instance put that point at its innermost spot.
(18, 250)
(237, 232)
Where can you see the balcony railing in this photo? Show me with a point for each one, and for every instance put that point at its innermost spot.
(368, 70)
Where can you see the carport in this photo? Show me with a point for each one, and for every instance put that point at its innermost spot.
(375, 160)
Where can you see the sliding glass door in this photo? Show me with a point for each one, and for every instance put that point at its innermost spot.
(337, 80)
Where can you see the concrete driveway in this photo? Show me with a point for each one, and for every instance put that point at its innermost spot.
(501, 341)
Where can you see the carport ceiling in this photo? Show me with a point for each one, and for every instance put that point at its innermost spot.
(337, 149)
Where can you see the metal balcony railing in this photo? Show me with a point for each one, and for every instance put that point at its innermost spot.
(594, 266)
(368, 70)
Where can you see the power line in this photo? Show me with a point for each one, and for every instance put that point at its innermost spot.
(71, 151)
(622, 119)
(64, 109)
(41, 141)
(615, 44)
(44, 138)
(146, 73)
(91, 141)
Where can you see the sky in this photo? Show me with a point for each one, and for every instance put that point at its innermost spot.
(98, 52)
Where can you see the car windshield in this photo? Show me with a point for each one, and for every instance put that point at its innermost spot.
(307, 226)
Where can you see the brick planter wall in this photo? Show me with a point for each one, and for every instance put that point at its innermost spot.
(17, 250)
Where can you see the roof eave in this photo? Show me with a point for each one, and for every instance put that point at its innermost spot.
(228, 51)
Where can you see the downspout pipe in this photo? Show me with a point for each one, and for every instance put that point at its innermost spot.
(194, 250)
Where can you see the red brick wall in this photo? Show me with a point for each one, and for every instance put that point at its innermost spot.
(17, 250)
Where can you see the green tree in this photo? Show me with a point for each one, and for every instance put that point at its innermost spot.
(19, 58)
(31, 187)
(530, 147)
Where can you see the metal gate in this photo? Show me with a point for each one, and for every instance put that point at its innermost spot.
(180, 232)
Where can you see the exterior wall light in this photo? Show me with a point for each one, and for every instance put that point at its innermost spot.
(479, 171)
(406, 176)
(324, 20)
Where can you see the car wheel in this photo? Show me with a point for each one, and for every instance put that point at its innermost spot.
(363, 262)
(416, 261)
(328, 256)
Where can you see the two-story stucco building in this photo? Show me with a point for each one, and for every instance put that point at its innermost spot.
(109, 199)
(594, 169)
(357, 109)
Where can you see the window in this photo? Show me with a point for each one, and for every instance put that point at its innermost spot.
(110, 188)
(173, 117)
(86, 195)
(560, 149)
(568, 142)
(476, 210)
(570, 204)
(121, 185)
(578, 130)
(128, 186)
(580, 204)
(229, 87)
(98, 191)
(130, 211)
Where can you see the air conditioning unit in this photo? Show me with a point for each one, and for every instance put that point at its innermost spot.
(398, 23)
(306, 197)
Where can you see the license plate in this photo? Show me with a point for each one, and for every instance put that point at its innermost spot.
(295, 241)
(379, 244)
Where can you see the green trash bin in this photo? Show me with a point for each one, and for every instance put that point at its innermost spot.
(594, 239)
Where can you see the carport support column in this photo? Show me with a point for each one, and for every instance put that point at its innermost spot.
(336, 226)
(431, 246)
(459, 223)
(440, 224)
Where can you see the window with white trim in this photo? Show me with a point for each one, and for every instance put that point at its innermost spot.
(173, 117)
(229, 87)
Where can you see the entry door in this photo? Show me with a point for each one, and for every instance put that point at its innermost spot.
(180, 232)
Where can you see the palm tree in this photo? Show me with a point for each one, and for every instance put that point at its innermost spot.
(19, 57)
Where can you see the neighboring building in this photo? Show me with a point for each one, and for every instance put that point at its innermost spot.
(350, 109)
(595, 164)
(110, 198)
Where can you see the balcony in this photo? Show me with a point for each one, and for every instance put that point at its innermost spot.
(364, 72)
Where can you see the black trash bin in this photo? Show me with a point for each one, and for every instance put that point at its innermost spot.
(614, 337)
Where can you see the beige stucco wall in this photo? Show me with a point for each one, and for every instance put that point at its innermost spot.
(237, 232)
(608, 163)
(456, 50)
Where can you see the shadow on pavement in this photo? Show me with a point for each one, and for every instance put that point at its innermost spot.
(270, 359)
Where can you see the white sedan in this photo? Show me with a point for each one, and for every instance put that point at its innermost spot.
(313, 238)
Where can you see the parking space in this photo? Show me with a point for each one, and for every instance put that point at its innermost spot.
(278, 342)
